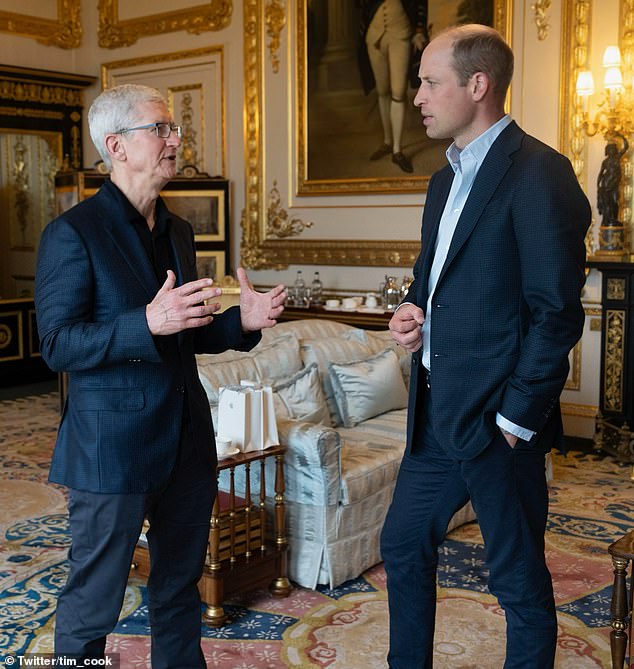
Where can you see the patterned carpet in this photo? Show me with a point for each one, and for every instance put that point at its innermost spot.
(591, 506)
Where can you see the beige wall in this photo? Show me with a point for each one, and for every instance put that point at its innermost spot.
(535, 104)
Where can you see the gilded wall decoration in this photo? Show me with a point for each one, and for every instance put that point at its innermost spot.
(64, 31)
(279, 223)
(576, 30)
(275, 20)
(540, 9)
(613, 360)
(114, 33)
(615, 289)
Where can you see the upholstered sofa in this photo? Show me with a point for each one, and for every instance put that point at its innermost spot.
(340, 399)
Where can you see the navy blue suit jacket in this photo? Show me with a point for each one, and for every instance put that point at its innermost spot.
(506, 308)
(122, 419)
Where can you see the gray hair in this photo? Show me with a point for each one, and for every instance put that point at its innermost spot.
(115, 109)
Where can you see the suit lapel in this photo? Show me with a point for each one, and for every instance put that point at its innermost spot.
(495, 166)
(129, 245)
(434, 206)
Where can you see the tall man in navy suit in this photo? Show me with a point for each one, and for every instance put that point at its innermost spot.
(120, 308)
(490, 318)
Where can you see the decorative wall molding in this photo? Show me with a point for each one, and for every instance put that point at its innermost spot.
(65, 31)
(575, 45)
(278, 223)
(113, 33)
(541, 19)
(275, 20)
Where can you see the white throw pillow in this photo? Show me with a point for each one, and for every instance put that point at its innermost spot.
(301, 397)
(368, 387)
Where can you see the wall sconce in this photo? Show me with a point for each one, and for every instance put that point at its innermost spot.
(614, 119)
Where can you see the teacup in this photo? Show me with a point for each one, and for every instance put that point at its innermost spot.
(350, 303)
(332, 304)
(371, 301)
(223, 446)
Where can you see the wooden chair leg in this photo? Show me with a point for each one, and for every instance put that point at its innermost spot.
(619, 611)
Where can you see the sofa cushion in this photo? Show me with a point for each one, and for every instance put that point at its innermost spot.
(278, 359)
(333, 349)
(371, 455)
(382, 339)
(368, 387)
(301, 397)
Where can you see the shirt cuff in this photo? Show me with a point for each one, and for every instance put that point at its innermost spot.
(519, 432)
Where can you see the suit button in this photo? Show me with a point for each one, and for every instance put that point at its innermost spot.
(180, 390)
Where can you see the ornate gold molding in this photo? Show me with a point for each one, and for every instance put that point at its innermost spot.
(275, 20)
(215, 15)
(541, 19)
(278, 223)
(31, 91)
(613, 360)
(576, 16)
(65, 31)
(615, 289)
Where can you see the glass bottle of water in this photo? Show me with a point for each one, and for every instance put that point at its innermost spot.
(299, 288)
(317, 290)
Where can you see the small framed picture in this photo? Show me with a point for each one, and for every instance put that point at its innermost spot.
(210, 264)
(203, 209)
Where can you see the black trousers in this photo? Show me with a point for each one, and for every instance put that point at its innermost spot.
(105, 529)
(507, 487)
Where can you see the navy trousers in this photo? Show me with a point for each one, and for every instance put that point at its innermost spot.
(105, 529)
(507, 487)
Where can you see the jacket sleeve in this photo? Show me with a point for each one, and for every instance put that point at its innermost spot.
(550, 217)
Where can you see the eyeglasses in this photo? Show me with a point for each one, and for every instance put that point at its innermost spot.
(162, 130)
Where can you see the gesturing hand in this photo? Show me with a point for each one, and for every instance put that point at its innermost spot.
(259, 310)
(405, 327)
(176, 309)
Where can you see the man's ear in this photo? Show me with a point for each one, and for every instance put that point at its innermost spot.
(115, 147)
(479, 84)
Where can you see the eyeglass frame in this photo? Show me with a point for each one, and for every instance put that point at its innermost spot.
(176, 129)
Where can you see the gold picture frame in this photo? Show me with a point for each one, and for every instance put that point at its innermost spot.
(203, 209)
(113, 33)
(261, 250)
(211, 264)
(64, 31)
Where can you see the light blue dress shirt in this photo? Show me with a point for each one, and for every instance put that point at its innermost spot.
(465, 164)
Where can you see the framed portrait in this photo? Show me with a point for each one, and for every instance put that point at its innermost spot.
(204, 210)
(350, 139)
(211, 264)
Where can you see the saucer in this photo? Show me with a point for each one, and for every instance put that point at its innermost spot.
(228, 454)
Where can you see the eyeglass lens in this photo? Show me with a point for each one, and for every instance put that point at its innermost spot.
(163, 130)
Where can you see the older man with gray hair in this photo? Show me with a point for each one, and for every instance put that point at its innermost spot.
(121, 310)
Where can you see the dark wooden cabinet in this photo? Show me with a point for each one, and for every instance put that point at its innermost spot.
(616, 401)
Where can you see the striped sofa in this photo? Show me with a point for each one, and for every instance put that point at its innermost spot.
(344, 437)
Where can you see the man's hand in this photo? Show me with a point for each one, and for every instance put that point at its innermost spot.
(259, 310)
(405, 327)
(511, 439)
(176, 309)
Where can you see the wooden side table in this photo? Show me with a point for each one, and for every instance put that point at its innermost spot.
(244, 552)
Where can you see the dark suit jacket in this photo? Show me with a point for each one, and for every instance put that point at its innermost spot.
(506, 309)
(122, 420)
